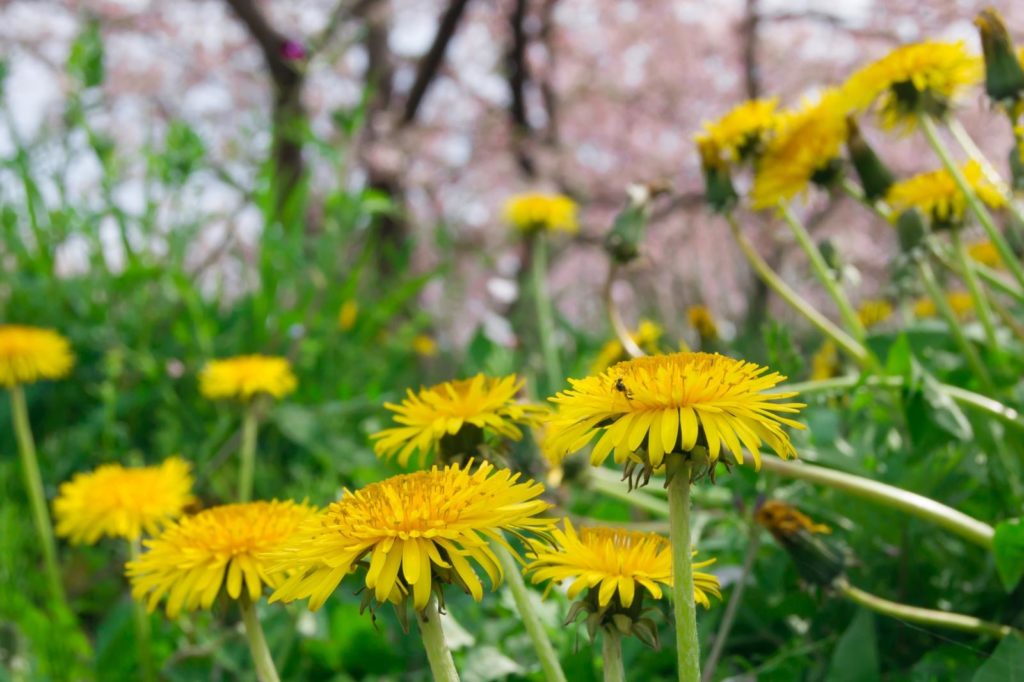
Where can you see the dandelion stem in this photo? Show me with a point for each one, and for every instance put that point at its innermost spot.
(534, 628)
(970, 277)
(966, 142)
(942, 305)
(545, 312)
(441, 664)
(684, 608)
(922, 507)
(265, 670)
(34, 489)
(250, 425)
(915, 614)
(979, 210)
(850, 345)
(143, 632)
(991, 277)
(823, 272)
(615, 317)
(611, 650)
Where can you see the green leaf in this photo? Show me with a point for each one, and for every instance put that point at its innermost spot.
(856, 656)
(85, 62)
(1006, 663)
(900, 359)
(1008, 548)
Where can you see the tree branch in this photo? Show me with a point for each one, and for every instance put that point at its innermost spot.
(431, 62)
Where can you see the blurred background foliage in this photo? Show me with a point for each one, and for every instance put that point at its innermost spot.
(341, 302)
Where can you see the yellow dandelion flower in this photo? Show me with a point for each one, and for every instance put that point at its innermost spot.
(424, 346)
(247, 376)
(738, 134)
(30, 354)
(411, 532)
(825, 362)
(925, 77)
(986, 253)
(937, 196)
(218, 548)
(616, 562)
(673, 403)
(535, 212)
(874, 312)
(347, 315)
(960, 301)
(456, 414)
(806, 148)
(703, 321)
(646, 336)
(123, 502)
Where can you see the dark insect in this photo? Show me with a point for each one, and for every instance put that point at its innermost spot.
(621, 388)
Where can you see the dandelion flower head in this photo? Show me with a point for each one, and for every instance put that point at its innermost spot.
(536, 211)
(31, 354)
(937, 195)
(247, 376)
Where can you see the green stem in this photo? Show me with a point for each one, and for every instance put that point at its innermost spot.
(545, 312)
(684, 608)
(966, 143)
(955, 328)
(919, 506)
(857, 194)
(247, 470)
(915, 614)
(823, 272)
(34, 489)
(732, 608)
(143, 631)
(991, 277)
(615, 317)
(265, 670)
(611, 651)
(851, 346)
(977, 208)
(440, 657)
(534, 628)
(970, 277)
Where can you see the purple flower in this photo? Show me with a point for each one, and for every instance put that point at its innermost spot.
(293, 50)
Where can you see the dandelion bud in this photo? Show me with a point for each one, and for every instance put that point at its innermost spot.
(911, 230)
(1017, 160)
(719, 192)
(874, 176)
(1004, 76)
(623, 241)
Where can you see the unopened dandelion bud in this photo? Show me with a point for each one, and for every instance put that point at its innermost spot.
(874, 176)
(1004, 76)
(719, 192)
(910, 230)
(623, 241)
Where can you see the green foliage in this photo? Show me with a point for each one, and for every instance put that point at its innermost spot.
(1008, 549)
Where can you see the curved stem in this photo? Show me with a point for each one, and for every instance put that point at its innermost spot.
(265, 670)
(915, 614)
(970, 277)
(143, 632)
(955, 328)
(922, 507)
(684, 608)
(440, 657)
(823, 272)
(34, 490)
(733, 607)
(615, 317)
(611, 651)
(851, 346)
(534, 628)
(247, 452)
(545, 312)
(979, 210)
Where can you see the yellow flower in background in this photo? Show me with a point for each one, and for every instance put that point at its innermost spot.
(673, 403)
(221, 548)
(960, 301)
(825, 362)
(430, 415)
(703, 321)
(985, 253)
(646, 336)
(936, 194)
(347, 315)
(424, 346)
(614, 561)
(806, 148)
(923, 77)
(247, 376)
(533, 212)
(782, 519)
(873, 312)
(122, 502)
(413, 532)
(30, 354)
(737, 134)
